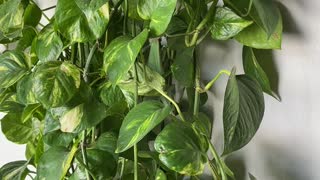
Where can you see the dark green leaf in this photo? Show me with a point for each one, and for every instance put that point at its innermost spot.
(28, 112)
(137, 124)
(25, 94)
(255, 37)
(48, 45)
(32, 15)
(58, 138)
(132, 9)
(11, 106)
(120, 55)
(55, 83)
(183, 68)
(159, 12)
(242, 112)
(11, 21)
(16, 131)
(52, 163)
(111, 95)
(203, 124)
(28, 34)
(107, 142)
(13, 67)
(79, 22)
(253, 69)
(154, 60)
(16, 170)
(160, 175)
(182, 149)
(227, 24)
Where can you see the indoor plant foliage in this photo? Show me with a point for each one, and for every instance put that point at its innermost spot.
(91, 92)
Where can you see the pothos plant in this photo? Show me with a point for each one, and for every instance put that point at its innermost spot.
(90, 91)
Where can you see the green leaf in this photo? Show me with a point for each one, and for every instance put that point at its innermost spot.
(242, 112)
(11, 21)
(227, 24)
(263, 12)
(137, 124)
(55, 83)
(132, 9)
(29, 111)
(48, 45)
(253, 69)
(121, 54)
(28, 34)
(25, 94)
(12, 68)
(159, 12)
(83, 116)
(53, 163)
(11, 106)
(32, 15)
(15, 130)
(182, 149)
(58, 138)
(16, 170)
(81, 23)
(102, 164)
(160, 175)
(107, 142)
(252, 177)
(183, 68)
(255, 37)
(111, 95)
(203, 124)
(154, 60)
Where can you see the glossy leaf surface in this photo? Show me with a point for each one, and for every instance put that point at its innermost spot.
(242, 112)
(137, 124)
(16, 170)
(182, 149)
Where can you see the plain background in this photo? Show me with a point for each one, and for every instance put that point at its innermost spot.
(287, 144)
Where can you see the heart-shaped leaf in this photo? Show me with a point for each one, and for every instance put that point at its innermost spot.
(254, 36)
(48, 45)
(242, 112)
(13, 67)
(227, 24)
(120, 55)
(28, 34)
(183, 68)
(16, 170)
(182, 149)
(159, 12)
(32, 15)
(55, 83)
(79, 22)
(139, 122)
(25, 94)
(253, 69)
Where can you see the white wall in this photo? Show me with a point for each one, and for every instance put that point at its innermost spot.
(286, 146)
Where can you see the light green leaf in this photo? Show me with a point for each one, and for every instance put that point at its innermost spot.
(154, 60)
(81, 23)
(160, 175)
(16, 170)
(182, 149)
(120, 55)
(15, 130)
(13, 67)
(32, 15)
(28, 34)
(139, 122)
(25, 94)
(159, 12)
(253, 69)
(53, 163)
(227, 24)
(48, 45)
(183, 68)
(255, 37)
(28, 112)
(55, 83)
(83, 116)
(11, 21)
(242, 112)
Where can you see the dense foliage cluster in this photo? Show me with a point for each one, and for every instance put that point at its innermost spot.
(91, 91)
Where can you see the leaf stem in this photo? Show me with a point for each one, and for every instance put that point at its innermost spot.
(136, 96)
(48, 8)
(211, 83)
(88, 61)
(84, 153)
(73, 53)
(197, 83)
(217, 158)
(70, 158)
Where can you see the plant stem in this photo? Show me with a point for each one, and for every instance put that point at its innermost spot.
(213, 170)
(217, 158)
(197, 83)
(69, 159)
(73, 53)
(210, 84)
(48, 8)
(135, 148)
(86, 68)
(84, 154)
(125, 21)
